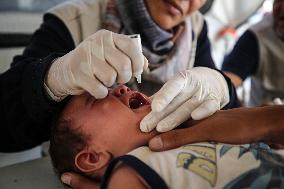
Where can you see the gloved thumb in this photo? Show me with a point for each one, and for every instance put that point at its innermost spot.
(180, 115)
(206, 109)
(93, 87)
(131, 47)
(146, 64)
(150, 121)
(167, 93)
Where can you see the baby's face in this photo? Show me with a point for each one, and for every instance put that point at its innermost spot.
(112, 122)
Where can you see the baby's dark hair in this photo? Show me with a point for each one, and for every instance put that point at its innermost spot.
(65, 142)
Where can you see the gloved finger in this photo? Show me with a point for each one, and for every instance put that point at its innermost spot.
(104, 72)
(121, 63)
(93, 86)
(131, 47)
(146, 64)
(117, 59)
(180, 115)
(206, 109)
(151, 98)
(177, 138)
(151, 120)
(169, 91)
(79, 182)
(277, 101)
(76, 91)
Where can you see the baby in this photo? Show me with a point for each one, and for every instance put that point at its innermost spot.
(101, 139)
(90, 132)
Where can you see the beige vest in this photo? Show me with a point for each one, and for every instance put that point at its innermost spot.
(83, 18)
(268, 83)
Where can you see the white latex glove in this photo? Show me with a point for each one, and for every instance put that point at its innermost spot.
(196, 93)
(97, 63)
(277, 101)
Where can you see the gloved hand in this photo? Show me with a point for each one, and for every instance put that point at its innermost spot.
(97, 63)
(277, 101)
(196, 93)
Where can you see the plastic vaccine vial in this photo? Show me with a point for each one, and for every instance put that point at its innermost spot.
(138, 39)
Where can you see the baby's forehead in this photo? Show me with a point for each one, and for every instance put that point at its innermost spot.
(75, 104)
(74, 124)
(71, 110)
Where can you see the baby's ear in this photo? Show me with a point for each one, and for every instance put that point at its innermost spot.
(89, 161)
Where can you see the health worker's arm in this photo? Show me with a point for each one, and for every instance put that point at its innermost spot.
(203, 50)
(25, 108)
(243, 61)
(235, 126)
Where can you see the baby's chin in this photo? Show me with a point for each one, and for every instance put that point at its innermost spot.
(144, 137)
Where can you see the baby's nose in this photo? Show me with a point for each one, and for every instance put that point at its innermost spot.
(120, 90)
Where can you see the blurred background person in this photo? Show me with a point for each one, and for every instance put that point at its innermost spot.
(259, 53)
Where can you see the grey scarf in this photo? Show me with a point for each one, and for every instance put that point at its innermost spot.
(136, 19)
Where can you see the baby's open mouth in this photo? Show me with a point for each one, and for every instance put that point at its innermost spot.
(137, 100)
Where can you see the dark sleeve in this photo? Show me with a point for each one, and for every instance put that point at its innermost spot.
(203, 58)
(244, 58)
(149, 175)
(234, 102)
(203, 50)
(25, 110)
